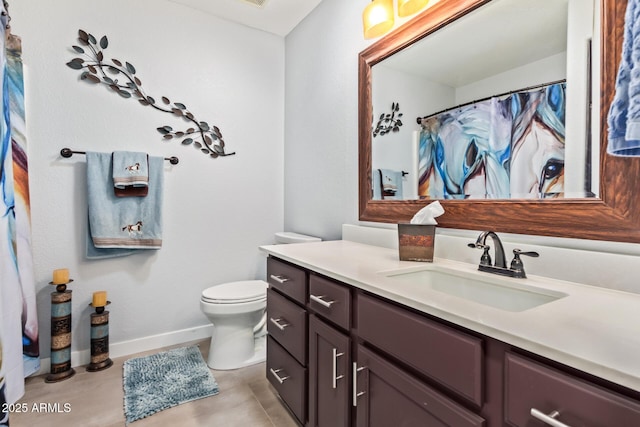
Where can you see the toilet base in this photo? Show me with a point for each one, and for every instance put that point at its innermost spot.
(259, 355)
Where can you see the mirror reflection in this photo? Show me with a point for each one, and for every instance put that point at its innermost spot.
(495, 105)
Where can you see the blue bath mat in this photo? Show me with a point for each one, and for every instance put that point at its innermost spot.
(163, 380)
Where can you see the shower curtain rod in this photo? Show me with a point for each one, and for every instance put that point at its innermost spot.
(67, 152)
(420, 119)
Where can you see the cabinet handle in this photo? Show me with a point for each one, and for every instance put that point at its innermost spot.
(280, 379)
(336, 377)
(279, 325)
(549, 419)
(356, 394)
(319, 300)
(279, 279)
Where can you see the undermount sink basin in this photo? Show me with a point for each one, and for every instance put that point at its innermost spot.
(498, 292)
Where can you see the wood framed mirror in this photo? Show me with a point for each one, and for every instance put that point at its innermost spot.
(613, 216)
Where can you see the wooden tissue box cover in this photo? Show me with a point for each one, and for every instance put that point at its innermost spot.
(416, 242)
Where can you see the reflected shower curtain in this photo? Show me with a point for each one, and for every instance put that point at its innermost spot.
(507, 147)
(18, 317)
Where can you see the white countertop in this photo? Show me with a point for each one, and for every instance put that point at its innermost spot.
(592, 329)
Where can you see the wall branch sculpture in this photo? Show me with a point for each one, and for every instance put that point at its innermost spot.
(205, 137)
(389, 122)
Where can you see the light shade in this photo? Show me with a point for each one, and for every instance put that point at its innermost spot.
(377, 18)
(409, 7)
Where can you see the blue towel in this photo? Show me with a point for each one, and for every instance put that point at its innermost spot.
(130, 169)
(119, 225)
(387, 184)
(624, 113)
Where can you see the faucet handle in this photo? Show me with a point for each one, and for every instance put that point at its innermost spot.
(518, 252)
(516, 264)
(485, 259)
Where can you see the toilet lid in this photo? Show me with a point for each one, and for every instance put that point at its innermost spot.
(236, 292)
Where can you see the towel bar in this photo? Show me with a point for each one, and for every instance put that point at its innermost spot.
(67, 152)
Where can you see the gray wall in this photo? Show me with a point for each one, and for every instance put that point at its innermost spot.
(216, 212)
(321, 119)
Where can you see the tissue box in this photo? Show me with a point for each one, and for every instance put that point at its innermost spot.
(416, 242)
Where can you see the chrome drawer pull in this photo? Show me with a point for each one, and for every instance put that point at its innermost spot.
(278, 377)
(279, 325)
(279, 279)
(336, 377)
(548, 419)
(356, 394)
(319, 300)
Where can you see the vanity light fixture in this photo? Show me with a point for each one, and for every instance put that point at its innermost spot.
(377, 18)
(409, 7)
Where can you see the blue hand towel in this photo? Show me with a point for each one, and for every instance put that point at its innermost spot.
(624, 113)
(117, 225)
(387, 184)
(130, 169)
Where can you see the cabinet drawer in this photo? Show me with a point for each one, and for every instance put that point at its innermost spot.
(330, 300)
(532, 385)
(287, 324)
(289, 280)
(289, 379)
(452, 358)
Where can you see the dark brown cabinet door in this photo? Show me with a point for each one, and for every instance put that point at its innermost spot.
(329, 364)
(536, 395)
(387, 396)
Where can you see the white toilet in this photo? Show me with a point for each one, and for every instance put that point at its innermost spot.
(238, 313)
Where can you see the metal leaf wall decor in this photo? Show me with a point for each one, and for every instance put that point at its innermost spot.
(389, 122)
(205, 137)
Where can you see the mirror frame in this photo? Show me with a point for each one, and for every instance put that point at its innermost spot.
(615, 216)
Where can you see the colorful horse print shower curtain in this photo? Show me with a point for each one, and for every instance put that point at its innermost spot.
(507, 147)
(19, 350)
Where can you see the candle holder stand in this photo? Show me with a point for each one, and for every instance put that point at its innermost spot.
(99, 339)
(60, 334)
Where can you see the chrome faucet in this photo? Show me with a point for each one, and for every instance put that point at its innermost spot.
(499, 250)
(500, 266)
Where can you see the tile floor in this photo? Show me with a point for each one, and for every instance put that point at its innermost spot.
(95, 399)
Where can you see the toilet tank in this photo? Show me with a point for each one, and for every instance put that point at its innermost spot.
(284, 237)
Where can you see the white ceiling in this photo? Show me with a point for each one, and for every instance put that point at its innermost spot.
(500, 36)
(274, 16)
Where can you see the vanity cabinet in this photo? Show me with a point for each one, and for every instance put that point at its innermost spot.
(350, 358)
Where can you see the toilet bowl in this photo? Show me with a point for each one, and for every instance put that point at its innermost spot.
(237, 311)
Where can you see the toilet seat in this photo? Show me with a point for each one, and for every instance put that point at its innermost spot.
(236, 292)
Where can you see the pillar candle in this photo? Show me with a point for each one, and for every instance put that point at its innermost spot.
(61, 276)
(99, 299)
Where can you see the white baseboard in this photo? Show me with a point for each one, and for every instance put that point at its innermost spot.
(125, 348)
